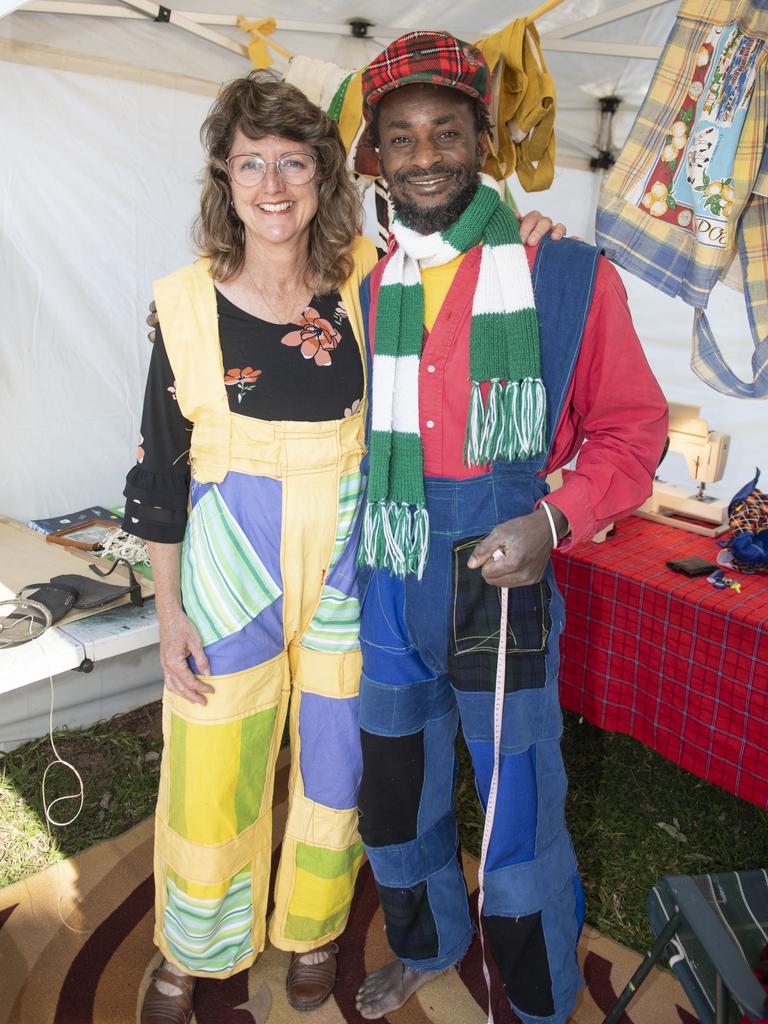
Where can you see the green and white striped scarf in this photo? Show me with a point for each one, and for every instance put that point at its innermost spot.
(503, 349)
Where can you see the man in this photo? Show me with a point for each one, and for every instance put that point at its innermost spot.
(476, 395)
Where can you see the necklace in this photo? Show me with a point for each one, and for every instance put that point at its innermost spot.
(279, 319)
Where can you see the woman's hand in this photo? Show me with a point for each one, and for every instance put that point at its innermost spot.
(178, 636)
(152, 321)
(179, 639)
(534, 225)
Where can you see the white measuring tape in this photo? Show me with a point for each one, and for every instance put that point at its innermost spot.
(498, 712)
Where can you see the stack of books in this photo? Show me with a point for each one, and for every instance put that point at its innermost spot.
(73, 518)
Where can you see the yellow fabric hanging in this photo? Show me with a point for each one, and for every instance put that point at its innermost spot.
(522, 106)
(258, 48)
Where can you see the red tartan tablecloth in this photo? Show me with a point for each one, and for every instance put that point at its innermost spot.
(672, 661)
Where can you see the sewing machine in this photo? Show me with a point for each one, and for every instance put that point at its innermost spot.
(705, 452)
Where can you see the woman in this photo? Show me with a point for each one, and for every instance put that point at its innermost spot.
(258, 381)
(258, 378)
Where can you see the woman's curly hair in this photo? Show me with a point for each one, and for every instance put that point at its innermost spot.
(261, 105)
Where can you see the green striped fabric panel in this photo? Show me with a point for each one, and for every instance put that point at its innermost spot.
(224, 582)
(350, 493)
(335, 626)
(210, 936)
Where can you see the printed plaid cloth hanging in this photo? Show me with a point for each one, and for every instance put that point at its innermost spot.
(690, 188)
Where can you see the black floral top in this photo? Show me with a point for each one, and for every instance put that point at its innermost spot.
(308, 371)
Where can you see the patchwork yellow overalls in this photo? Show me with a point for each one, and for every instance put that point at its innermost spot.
(268, 578)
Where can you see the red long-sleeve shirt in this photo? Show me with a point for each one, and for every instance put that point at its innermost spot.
(614, 416)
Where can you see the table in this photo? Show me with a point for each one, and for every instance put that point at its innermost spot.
(98, 666)
(669, 660)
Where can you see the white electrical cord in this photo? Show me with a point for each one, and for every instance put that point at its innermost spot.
(79, 796)
(60, 760)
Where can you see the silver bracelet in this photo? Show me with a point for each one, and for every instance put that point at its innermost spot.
(553, 528)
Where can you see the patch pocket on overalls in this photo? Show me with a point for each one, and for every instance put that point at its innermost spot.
(475, 623)
(383, 614)
(224, 583)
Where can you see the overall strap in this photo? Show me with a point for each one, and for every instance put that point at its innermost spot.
(563, 283)
(186, 307)
(365, 257)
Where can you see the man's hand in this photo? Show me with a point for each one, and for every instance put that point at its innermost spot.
(535, 225)
(152, 320)
(179, 639)
(525, 544)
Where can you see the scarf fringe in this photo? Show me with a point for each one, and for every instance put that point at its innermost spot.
(395, 537)
(475, 421)
(510, 426)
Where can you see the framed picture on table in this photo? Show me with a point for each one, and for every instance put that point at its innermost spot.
(85, 536)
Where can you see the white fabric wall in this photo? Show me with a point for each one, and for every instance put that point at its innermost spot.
(98, 191)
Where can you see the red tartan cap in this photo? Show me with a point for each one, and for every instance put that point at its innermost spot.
(432, 58)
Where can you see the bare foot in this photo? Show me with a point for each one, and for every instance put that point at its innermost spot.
(387, 989)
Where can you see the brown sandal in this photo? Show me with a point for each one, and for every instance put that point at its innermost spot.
(159, 1008)
(309, 985)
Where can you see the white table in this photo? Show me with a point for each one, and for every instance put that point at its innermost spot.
(100, 666)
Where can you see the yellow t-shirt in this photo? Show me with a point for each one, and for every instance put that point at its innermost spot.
(436, 282)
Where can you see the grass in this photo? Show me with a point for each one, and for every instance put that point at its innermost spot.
(635, 816)
(119, 763)
(620, 795)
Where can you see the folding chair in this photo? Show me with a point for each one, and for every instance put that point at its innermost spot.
(714, 928)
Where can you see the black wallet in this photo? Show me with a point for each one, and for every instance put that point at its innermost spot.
(692, 566)
(63, 593)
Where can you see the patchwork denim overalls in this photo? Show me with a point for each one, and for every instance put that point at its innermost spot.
(430, 649)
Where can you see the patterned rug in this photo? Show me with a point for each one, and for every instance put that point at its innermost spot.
(76, 948)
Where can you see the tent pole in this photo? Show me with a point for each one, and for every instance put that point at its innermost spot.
(38, 55)
(604, 18)
(113, 10)
(635, 50)
(545, 8)
(153, 10)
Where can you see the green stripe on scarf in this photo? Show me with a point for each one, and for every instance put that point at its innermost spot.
(503, 351)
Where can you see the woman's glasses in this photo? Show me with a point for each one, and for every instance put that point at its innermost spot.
(294, 168)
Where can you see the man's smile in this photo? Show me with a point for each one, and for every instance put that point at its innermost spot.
(436, 179)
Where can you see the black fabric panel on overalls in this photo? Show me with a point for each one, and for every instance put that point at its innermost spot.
(390, 792)
(518, 947)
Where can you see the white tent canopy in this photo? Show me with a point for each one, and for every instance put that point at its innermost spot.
(100, 107)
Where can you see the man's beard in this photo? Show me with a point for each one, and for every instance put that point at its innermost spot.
(426, 219)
